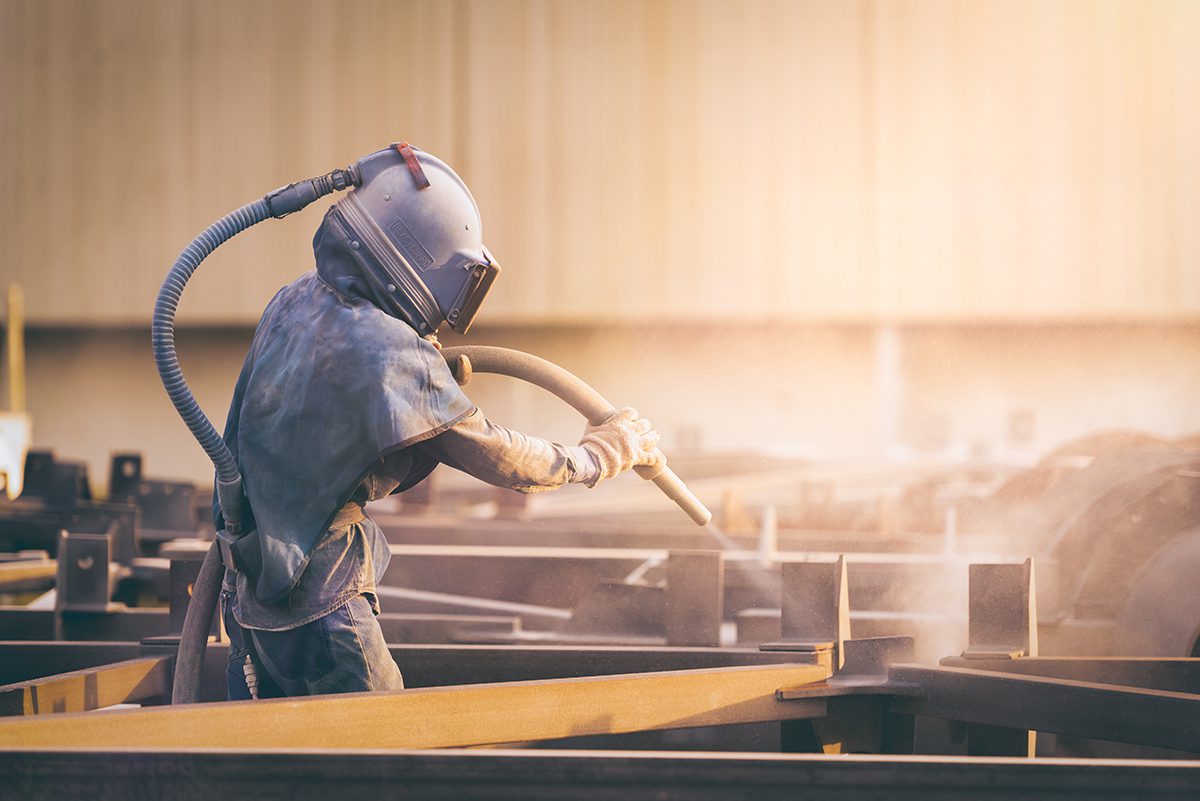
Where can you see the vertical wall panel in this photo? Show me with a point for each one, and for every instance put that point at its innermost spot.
(674, 159)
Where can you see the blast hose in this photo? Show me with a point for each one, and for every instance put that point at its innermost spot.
(576, 393)
(283, 201)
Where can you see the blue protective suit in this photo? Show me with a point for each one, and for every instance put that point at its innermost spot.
(331, 386)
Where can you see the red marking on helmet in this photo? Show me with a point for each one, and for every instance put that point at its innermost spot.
(410, 158)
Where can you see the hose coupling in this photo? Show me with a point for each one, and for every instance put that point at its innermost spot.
(293, 197)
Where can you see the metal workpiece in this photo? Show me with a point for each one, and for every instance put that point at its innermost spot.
(510, 663)
(131, 681)
(184, 569)
(815, 608)
(529, 775)
(444, 717)
(693, 606)
(1173, 674)
(1002, 622)
(117, 623)
(1002, 612)
(1085, 709)
(35, 573)
(84, 579)
(466, 695)
(423, 665)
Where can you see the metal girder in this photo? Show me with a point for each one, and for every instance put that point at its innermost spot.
(442, 665)
(1175, 674)
(27, 574)
(110, 774)
(434, 628)
(443, 717)
(25, 660)
(116, 625)
(422, 665)
(1100, 711)
(129, 681)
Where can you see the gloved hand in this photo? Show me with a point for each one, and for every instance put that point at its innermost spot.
(621, 442)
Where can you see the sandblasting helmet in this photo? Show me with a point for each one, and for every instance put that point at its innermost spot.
(416, 228)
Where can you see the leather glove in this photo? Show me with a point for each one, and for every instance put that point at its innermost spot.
(621, 442)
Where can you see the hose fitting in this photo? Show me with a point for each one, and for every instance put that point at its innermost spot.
(293, 197)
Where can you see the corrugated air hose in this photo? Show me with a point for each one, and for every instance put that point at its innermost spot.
(280, 203)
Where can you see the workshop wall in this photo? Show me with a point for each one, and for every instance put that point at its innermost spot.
(828, 393)
(634, 161)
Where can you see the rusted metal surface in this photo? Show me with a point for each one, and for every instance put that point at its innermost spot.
(27, 574)
(1002, 617)
(694, 598)
(1178, 674)
(112, 775)
(444, 717)
(128, 681)
(118, 624)
(815, 605)
(1101, 711)
(1002, 611)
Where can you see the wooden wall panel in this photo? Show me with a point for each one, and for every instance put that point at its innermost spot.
(676, 159)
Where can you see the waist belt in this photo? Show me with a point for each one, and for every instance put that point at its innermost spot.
(242, 555)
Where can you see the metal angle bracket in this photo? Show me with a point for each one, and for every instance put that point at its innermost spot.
(865, 671)
(1002, 613)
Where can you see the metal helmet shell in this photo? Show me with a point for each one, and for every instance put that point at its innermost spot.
(415, 224)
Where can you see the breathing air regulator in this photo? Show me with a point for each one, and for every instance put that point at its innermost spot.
(417, 222)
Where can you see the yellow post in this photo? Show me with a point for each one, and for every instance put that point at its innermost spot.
(15, 427)
(16, 348)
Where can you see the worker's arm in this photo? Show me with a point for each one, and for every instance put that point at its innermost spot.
(506, 458)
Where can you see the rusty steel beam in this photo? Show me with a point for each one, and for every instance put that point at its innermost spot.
(1174, 674)
(116, 624)
(130, 681)
(444, 717)
(27, 574)
(1099, 711)
(112, 775)
(29, 659)
(422, 665)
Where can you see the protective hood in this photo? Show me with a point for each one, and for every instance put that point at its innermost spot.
(331, 385)
(418, 238)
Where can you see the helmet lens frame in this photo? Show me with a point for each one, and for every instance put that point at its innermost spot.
(484, 274)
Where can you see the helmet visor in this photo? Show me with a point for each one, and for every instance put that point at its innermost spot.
(483, 275)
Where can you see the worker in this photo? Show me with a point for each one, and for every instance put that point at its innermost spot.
(344, 399)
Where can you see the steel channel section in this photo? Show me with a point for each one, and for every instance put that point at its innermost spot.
(448, 665)
(120, 624)
(1100, 711)
(1068, 707)
(129, 681)
(1174, 674)
(422, 665)
(28, 660)
(444, 717)
(108, 774)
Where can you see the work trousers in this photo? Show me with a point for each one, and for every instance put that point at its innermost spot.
(341, 652)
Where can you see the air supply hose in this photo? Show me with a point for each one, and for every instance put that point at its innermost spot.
(576, 393)
(283, 201)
